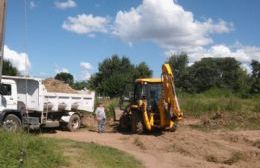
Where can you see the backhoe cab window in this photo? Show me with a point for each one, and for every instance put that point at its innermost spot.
(155, 92)
(5, 89)
(151, 92)
(139, 91)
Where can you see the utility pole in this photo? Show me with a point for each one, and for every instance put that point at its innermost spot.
(2, 32)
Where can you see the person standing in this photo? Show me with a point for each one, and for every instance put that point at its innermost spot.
(100, 117)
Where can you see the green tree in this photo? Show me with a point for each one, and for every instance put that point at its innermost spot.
(9, 69)
(79, 85)
(255, 77)
(116, 75)
(93, 82)
(217, 72)
(65, 77)
(179, 65)
(142, 71)
(113, 75)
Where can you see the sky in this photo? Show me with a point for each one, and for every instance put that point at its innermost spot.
(45, 37)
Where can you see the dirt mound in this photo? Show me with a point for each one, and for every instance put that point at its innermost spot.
(53, 85)
(229, 120)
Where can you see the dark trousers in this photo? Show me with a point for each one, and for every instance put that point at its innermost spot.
(101, 125)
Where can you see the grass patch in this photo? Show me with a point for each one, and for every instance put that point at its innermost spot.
(221, 109)
(21, 150)
(26, 151)
(93, 155)
(197, 105)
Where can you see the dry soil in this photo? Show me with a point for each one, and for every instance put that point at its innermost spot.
(187, 147)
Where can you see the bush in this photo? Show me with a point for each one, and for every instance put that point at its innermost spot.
(110, 107)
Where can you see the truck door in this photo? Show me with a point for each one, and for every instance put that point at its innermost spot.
(8, 99)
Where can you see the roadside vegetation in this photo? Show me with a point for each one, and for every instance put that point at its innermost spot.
(27, 151)
(221, 109)
(96, 156)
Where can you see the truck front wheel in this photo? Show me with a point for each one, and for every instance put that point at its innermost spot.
(12, 123)
(74, 123)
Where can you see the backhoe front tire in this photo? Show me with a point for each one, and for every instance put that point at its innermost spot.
(124, 123)
(137, 126)
(12, 123)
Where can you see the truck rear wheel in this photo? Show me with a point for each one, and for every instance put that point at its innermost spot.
(74, 123)
(12, 123)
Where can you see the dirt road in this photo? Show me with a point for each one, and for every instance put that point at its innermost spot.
(187, 147)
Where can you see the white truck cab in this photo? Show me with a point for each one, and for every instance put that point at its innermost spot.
(8, 95)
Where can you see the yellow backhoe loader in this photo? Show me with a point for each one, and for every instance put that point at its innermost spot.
(154, 105)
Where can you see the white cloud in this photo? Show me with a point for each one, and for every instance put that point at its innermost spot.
(86, 24)
(86, 65)
(242, 53)
(65, 5)
(19, 60)
(59, 69)
(32, 5)
(85, 73)
(166, 24)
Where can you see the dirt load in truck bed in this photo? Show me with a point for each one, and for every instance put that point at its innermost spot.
(53, 85)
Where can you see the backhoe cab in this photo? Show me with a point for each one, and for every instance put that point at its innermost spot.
(154, 105)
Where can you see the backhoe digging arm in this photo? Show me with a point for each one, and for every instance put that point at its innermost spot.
(169, 101)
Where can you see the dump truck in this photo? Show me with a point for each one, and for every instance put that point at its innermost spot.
(154, 105)
(26, 103)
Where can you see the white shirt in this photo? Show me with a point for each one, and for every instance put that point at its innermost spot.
(100, 113)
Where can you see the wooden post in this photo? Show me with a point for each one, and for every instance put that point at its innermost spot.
(2, 30)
